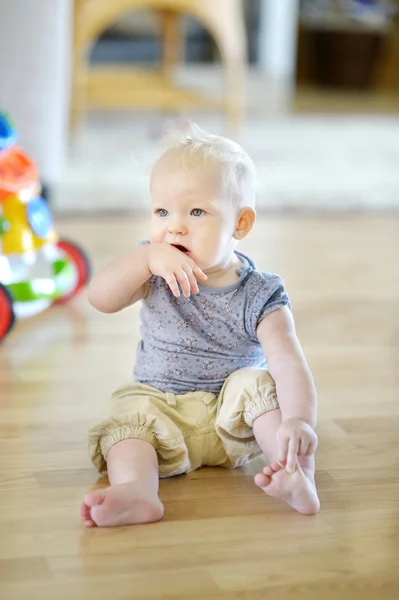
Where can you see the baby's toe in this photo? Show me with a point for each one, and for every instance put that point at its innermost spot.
(94, 498)
(90, 502)
(84, 511)
(277, 467)
(268, 471)
(85, 515)
(89, 523)
(262, 480)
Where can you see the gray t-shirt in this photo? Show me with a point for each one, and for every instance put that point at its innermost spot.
(195, 343)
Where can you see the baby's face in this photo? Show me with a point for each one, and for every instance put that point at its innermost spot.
(187, 211)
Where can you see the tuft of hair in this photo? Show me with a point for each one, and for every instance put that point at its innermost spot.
(238, 173)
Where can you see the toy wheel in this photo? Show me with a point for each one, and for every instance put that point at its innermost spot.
(7, 316)
(81, 262)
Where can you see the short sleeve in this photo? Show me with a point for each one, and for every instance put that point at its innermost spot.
(265, 293)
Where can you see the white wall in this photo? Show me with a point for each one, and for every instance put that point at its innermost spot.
(34, 76)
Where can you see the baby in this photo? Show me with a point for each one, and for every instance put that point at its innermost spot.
(220, 376)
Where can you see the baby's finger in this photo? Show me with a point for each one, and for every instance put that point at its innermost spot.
(312, 448)
(191, 278)
(292, 455)
(298, 451)
(172, 283)
(182, 278)
(283, 449)
(303, 447)
(198, 273)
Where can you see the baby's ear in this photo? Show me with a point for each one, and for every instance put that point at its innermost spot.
(245, 222)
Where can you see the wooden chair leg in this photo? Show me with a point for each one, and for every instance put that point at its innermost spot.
(234, 96)
(229, 33)
(172, 43)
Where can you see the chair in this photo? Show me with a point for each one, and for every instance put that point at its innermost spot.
(117, 87)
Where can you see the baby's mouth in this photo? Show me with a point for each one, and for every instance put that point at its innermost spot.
(181, 248)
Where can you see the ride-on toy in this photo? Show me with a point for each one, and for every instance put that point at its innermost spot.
(37, 268)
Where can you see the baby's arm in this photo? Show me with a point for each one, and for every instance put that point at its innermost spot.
(123, 281)
(294, 385)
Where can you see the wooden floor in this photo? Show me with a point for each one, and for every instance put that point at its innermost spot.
(221, 538)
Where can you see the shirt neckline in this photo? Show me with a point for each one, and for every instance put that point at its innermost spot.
(247, 265)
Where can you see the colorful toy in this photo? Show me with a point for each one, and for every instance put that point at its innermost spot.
(37, 268)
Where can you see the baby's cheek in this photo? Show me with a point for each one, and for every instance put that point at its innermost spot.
(155, 236)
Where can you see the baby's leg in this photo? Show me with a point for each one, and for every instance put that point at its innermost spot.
(297, 489)
(132, 497)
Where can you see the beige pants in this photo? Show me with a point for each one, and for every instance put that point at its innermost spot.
(189, 430)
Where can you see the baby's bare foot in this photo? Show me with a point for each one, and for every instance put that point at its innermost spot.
(296, 489)
(123, 504)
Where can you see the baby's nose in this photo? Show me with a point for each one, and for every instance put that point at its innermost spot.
(178, 226)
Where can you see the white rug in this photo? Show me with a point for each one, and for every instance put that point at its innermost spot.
(305, 162)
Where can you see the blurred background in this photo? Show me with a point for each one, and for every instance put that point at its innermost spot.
(310, 88)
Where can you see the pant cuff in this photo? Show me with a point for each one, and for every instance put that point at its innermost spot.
(265, 403)
(126, 432)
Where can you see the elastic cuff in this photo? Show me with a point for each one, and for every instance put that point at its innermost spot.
(259, 404)
(126, 432)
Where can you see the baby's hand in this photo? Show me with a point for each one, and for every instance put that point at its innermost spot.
(295, 438)
(175, 267)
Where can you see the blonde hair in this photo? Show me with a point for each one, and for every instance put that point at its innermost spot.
(238, 172)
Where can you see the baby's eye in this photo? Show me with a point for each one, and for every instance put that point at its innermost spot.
(197, 212)
(161, 212)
